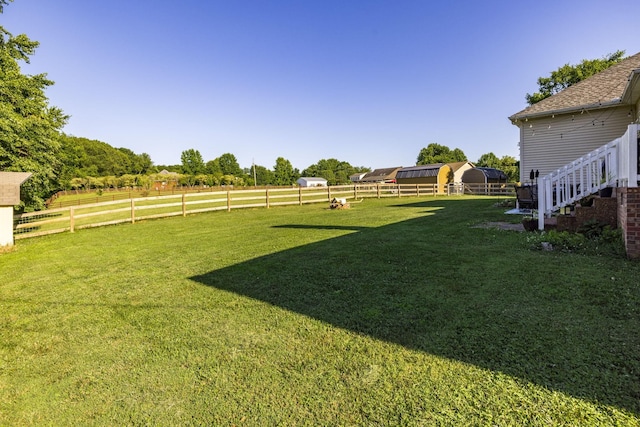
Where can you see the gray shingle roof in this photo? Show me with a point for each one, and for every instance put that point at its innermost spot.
(492, 173)
(420, 171)
(377, 175)
(600, 90)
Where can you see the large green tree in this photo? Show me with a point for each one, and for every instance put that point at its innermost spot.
(334, 171)
(29, 126)
(436, 153)
(489, 160)
(212, 167)
(82, 157)
(507, 164)
(192, 163)
(568, 75)
(229, 165)
(137, 163)
(263, 175)
(284, 173)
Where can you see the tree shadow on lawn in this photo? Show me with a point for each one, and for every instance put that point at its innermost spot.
(436, 285)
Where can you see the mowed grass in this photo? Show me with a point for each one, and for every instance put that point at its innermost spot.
(395, 312)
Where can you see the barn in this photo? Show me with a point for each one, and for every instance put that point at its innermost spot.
(484, 176)
(384, 175)
(439, 174)
(459, 168)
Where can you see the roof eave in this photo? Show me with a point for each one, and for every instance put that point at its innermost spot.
(632, 90)
(579, 108)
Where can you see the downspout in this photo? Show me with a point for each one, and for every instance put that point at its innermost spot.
(520, 145)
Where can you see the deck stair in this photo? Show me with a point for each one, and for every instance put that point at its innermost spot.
(603, 210)
(612, 165)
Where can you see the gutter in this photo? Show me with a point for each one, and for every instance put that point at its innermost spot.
(595, 106)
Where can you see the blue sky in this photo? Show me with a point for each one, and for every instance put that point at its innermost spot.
(367, 82)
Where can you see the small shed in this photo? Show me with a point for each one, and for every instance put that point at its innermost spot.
(312, 182)
(9, 197)
(484, 176)
(439, 174)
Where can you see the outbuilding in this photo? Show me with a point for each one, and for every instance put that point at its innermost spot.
(438, 174)
(312, 182)
(481, 175)
(357, 177)
(9, 197)
(383, 175)
(459, 168)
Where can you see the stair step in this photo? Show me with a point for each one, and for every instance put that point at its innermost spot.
(604, 210)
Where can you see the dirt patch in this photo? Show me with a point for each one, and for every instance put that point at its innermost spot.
(501, 226)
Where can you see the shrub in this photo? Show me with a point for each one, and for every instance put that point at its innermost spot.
(592, 239)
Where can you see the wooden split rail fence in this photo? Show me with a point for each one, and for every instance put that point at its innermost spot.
(73, 218)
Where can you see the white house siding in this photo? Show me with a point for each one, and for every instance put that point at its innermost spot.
(549, 143)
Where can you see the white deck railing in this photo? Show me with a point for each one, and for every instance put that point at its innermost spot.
(612, 165)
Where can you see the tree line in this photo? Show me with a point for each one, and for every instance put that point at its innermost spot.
(88, 164)
(226, 170)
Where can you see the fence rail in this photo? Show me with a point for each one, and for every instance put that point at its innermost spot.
(71, 218)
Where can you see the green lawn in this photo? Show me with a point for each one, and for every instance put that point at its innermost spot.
(395, 312)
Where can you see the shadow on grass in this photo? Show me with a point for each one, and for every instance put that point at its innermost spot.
(436, 285)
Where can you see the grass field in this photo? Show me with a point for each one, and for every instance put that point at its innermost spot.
(395, 312)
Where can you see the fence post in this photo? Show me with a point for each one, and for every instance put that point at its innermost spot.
(72, 220)
(417, 190)
(300, 196)
(184, 205)
(329, 193)
(378, 185)
(133, 211)
(228, 200)
(355, 191)
(267, 197)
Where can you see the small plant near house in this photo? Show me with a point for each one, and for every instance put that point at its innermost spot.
(530, 223)
(592, 238)
(562, 241)
(586, 201)
(592, 229)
